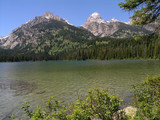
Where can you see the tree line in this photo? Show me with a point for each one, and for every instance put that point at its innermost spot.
(146, 47)
(141, 47)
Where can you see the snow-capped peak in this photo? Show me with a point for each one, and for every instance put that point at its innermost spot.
(95, 15)
(113, 20)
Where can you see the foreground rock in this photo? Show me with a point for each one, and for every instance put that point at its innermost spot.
(130, 111)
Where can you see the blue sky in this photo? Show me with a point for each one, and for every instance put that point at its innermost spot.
(14, 13)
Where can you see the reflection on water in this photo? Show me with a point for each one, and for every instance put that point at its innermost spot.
(22, 87)
(4, 86)
(19, 87)
(35, 81)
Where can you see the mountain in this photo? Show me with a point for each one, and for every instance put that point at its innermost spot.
(47, 33)
(53, 35)
(113, 28)
(153, 26)
(50, 37)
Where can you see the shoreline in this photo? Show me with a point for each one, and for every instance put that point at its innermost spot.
(75, 60)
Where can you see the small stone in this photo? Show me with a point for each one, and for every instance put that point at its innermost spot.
(130, 111)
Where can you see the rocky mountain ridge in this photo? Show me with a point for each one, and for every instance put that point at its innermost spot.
(11, 40)
(46, 31)
(113, 28)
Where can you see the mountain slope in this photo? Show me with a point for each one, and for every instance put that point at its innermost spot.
(113, 28)
(48, 33)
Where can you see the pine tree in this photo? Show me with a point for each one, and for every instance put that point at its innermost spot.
(146, 11)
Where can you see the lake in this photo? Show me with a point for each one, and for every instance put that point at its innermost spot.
(36, 81)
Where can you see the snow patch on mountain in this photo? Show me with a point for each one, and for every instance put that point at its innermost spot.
(113, 20)
(28, 21)
(67, 22)
(95, 15)
(4, 37)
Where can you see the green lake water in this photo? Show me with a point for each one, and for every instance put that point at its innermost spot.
(36, 81)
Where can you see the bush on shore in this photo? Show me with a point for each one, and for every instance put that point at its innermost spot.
(147, 99)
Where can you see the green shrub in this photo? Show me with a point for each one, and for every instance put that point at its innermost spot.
(98, 104)
(147, 99)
